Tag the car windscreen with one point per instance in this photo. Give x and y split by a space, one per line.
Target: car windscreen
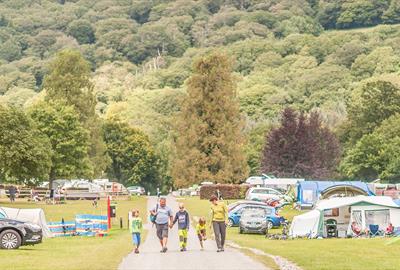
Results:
254 212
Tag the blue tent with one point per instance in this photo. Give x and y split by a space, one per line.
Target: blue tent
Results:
308 192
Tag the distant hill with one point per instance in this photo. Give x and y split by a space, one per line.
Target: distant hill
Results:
286 52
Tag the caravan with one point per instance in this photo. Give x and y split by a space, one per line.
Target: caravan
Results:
334 217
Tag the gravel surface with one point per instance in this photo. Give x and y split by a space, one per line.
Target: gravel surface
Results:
151 258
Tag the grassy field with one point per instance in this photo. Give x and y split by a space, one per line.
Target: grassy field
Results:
316 254
75 252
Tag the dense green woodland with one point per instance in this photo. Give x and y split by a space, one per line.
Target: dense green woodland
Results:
328 56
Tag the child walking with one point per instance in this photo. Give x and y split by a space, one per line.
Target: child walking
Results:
182 217
201 231
136 230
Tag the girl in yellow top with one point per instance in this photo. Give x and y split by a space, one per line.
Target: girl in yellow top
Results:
201 231
219 218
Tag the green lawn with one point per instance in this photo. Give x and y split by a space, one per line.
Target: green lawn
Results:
75 252
378 253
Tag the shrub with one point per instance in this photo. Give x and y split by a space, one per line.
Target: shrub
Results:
228 191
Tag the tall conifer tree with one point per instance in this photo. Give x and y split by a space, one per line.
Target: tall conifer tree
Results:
210 143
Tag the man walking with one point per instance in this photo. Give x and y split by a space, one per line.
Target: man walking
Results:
12 191
163 219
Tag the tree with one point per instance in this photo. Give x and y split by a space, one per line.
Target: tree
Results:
10 50
82 31
68 139
24 152
300 147
133 159
375 155
210 144
371 104
69 82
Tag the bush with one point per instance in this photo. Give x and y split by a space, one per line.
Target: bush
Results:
227 191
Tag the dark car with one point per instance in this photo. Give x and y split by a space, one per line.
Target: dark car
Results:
14 233
273 219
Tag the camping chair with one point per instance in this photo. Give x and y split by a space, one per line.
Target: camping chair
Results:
389 230
374 230
356 231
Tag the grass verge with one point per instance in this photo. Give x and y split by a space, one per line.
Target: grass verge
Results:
75 252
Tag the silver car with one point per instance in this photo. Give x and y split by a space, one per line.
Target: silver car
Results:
253 220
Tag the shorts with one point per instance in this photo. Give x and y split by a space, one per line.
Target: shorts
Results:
201 234
183 233
136 239
162 231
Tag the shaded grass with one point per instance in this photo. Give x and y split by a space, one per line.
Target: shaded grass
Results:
75 252
316 254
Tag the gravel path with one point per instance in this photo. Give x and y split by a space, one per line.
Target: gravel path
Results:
151 258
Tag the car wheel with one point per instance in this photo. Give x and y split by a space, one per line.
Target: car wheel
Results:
10 239
270 225
230 223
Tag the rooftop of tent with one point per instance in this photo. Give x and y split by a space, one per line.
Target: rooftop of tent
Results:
357 200
322 185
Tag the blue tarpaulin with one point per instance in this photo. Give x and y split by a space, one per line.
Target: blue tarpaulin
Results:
308 192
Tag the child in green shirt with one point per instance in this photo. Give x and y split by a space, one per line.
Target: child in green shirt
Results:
136 230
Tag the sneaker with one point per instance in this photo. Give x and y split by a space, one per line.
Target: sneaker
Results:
182 249
137 251
219 250
222 249
164 249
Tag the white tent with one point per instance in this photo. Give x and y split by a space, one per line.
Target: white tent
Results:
364 210
35 216
306 225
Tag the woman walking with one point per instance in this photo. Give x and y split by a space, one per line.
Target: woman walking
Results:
219 219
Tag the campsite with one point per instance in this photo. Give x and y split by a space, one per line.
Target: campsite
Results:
310 229
200 134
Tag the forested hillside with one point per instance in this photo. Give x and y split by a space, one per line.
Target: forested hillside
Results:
311 55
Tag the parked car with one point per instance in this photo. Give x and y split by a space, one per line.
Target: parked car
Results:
272 217
264 194
258 180
242 203
136 190
14 234
254 220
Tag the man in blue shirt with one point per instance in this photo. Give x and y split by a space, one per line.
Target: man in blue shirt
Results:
163 219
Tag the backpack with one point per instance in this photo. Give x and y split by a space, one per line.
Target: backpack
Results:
153 217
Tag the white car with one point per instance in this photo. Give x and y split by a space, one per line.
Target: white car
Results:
264 194
258 180
136 190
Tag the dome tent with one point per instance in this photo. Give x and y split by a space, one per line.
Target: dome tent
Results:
35 216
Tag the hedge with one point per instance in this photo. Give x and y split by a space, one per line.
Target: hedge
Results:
227 191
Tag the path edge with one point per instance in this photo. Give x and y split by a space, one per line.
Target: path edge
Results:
282 263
